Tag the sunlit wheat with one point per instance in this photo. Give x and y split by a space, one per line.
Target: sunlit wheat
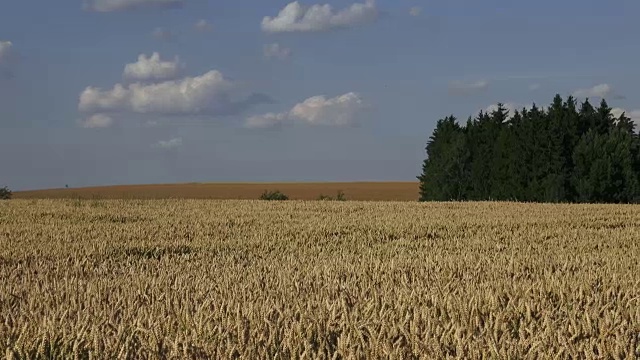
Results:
353 280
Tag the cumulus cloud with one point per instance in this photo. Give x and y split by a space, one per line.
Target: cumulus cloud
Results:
153 68
268 120
341 110
123 5
337 111
276 51
598 91
617 112
97 121
296 17
202 25
210 94
191 95
415 11
634 115
460 88
6 51
169 144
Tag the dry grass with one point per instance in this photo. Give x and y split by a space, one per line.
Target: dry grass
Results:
256 280
374 191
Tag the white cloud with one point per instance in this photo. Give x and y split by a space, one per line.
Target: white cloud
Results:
97 121
122 5
617 112
296 17
191 95
202 25
162 34
169 144
153 68
634 115
459 87
534 87
598 91
207 94
268 120
415 11
317 110
6 51
338 111
276 51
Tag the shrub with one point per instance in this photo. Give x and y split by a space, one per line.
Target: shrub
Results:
5 193
273 195
339 197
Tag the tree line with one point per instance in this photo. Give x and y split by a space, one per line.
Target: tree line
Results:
564 153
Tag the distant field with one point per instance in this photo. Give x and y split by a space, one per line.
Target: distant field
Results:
365 191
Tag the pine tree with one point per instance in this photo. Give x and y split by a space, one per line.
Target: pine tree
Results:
482 138
559 154
604 120
570 139
586 119
553 179
508 171
605 167
625 123
444 170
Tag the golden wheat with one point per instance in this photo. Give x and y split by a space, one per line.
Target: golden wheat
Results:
319 280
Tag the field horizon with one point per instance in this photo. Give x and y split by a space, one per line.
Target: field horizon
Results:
356 190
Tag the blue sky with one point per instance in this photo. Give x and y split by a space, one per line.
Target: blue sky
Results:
250 90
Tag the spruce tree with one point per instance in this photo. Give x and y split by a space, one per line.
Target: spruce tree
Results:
604 167
559 154
604 120
625 123
443 170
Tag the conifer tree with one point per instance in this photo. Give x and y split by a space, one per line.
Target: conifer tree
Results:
559 154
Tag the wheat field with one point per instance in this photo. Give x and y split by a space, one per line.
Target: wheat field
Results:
180 279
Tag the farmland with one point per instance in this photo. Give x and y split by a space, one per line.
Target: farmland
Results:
101 278
368 191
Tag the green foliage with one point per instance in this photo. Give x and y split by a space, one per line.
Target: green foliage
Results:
5 193
446 163
273 195
340 196
604 167
557 154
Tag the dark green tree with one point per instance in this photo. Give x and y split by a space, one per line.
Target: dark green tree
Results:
605 167
625 123
5 193
587 118
444 170
481 138
604 120
547 155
